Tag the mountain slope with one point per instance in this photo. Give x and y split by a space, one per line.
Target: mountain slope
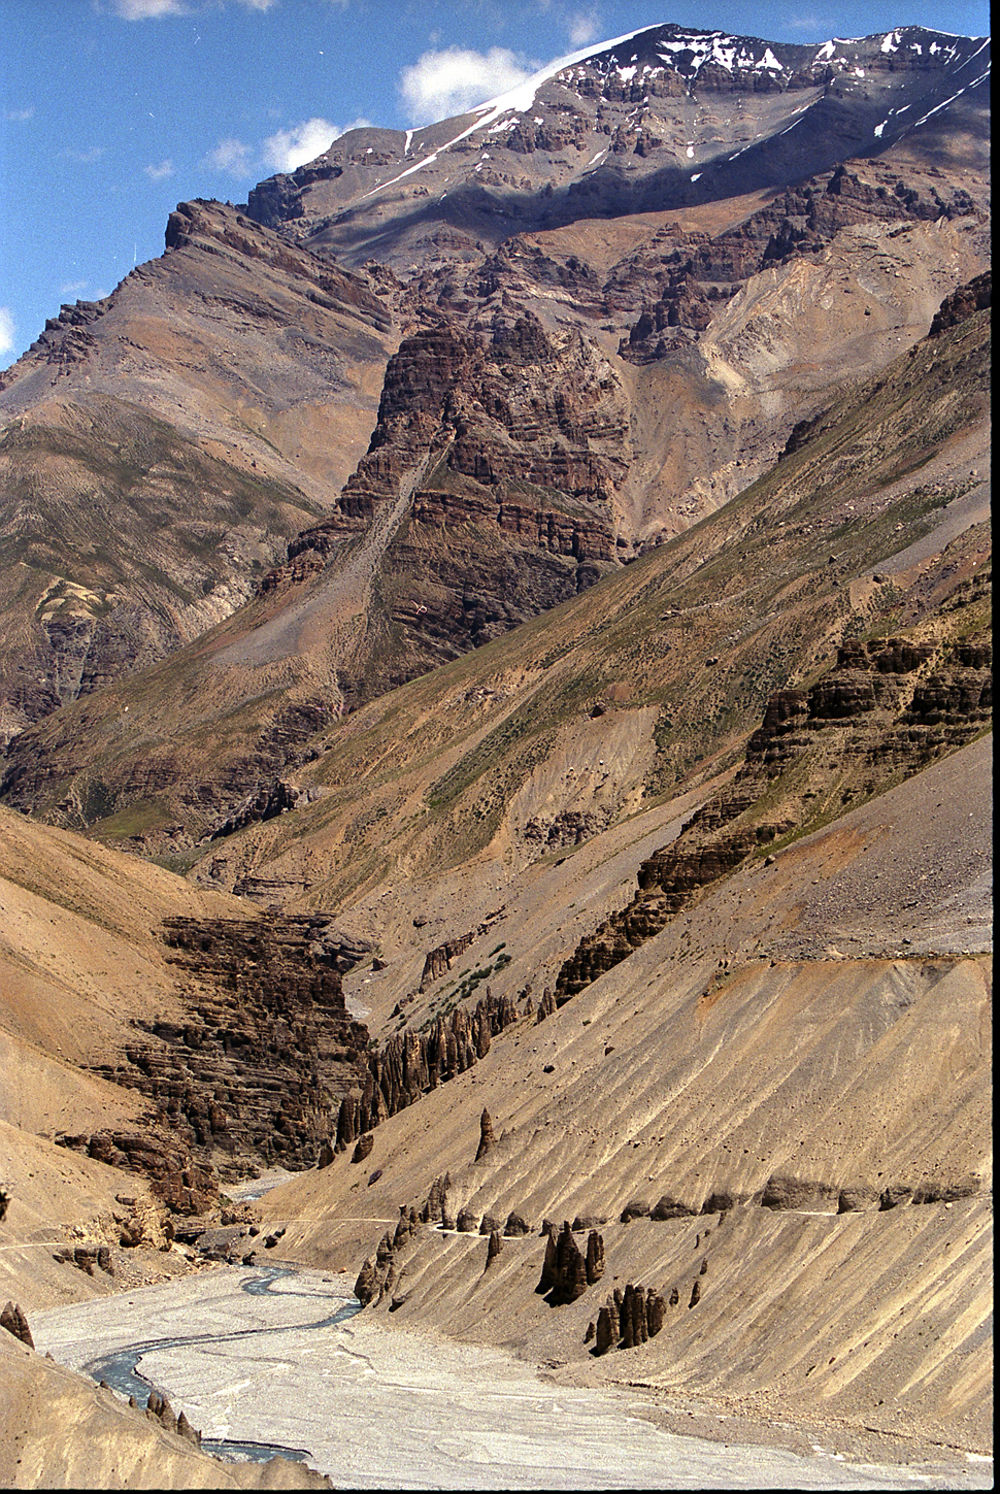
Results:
807 1116
161 447
566 392
919 433
603 774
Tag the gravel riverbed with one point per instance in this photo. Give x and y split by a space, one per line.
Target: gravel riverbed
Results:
270 1356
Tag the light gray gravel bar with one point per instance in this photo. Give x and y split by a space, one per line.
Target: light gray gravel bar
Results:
378 1406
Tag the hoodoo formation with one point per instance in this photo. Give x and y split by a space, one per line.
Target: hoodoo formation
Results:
531 798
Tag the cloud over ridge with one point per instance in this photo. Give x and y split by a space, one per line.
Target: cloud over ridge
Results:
287 149
7 335
456 79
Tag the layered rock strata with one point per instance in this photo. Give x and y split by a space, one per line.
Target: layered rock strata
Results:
888 708
519 439
253 1072
693 278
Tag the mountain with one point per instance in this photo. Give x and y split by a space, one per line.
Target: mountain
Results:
526 581
662 117
553 400
161 448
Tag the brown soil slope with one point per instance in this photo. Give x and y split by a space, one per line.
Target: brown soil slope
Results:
524 751
81 958
776 1115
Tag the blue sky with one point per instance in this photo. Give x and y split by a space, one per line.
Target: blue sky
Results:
112 111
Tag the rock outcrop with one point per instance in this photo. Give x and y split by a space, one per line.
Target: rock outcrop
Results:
800 222
13 1319
252 1073
413 1063
566 1271
628 1318
181 1182
887 708
974 296
487 1140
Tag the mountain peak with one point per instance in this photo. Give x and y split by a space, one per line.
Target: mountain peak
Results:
661 118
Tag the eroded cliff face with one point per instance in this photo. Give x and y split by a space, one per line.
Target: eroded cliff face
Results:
800 223
250 1073
516 439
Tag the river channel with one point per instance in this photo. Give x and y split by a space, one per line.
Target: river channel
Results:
266 1359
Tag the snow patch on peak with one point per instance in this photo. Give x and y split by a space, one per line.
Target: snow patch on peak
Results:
522 97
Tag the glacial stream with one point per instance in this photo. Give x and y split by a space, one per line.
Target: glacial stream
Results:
274 1359
119 1368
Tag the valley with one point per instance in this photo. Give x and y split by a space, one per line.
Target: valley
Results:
497 739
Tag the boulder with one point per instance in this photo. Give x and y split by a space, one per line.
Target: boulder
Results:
782 1192
669 1207
636 1208
363 1148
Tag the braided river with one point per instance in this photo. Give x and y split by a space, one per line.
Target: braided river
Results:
277 1359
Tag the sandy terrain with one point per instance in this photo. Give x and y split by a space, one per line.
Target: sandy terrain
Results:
378 1406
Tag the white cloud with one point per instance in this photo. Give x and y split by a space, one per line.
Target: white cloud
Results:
80 290
454 80
232 157
283 151
304 142
18 116
6 332
83 157
584 27
158 170
154 10
147 10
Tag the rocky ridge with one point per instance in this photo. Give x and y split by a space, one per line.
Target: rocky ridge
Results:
665 114
251 1073
212 372
888 708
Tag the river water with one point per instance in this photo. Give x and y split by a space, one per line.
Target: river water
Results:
118 1368
266 1359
